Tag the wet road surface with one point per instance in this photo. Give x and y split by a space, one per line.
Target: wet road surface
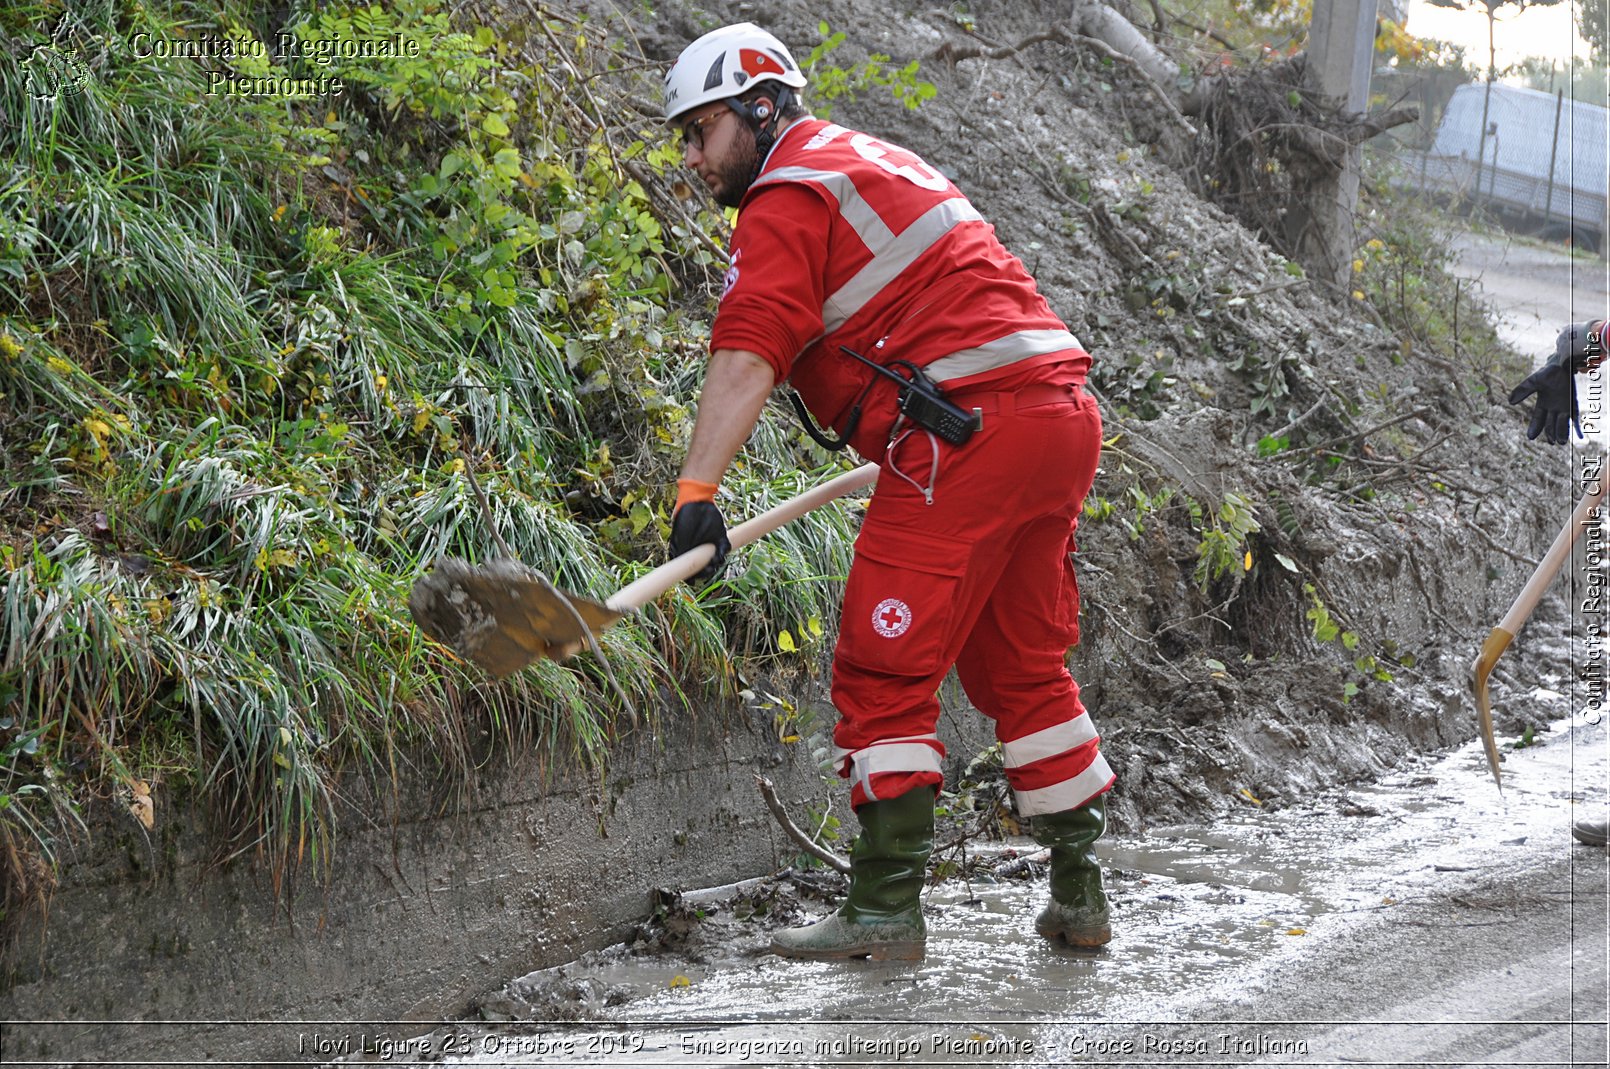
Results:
1421 920
1535 288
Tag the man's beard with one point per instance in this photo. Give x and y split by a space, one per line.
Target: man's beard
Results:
738 173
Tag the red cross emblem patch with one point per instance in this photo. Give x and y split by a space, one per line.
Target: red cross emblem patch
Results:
891 618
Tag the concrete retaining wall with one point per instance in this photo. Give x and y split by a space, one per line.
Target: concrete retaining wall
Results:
422 916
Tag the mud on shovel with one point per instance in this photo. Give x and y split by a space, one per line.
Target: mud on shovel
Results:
503 615
1501 636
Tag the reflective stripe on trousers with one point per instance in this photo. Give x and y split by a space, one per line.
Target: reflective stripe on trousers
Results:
913 754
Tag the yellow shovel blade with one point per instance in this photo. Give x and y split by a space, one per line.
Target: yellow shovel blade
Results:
1497 642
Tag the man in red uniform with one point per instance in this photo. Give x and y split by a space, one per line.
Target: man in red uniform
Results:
851 250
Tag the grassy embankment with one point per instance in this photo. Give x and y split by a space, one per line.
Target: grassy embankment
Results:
243 341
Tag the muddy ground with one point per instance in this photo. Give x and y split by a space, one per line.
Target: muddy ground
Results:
1422 919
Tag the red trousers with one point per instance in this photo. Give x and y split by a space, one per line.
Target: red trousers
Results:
964 559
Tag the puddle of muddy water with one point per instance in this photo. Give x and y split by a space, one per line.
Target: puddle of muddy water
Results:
1202 912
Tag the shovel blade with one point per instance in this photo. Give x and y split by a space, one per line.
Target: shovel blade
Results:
503 615
1498 641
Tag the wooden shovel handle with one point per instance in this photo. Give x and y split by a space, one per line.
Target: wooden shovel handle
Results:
1500 637
644 590
1553 560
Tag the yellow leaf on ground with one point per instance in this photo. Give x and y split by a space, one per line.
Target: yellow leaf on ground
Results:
141 806
1249 796
680 981
1296 931
158 609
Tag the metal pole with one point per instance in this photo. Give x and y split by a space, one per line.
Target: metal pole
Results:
1554 152
1486 102
1492 176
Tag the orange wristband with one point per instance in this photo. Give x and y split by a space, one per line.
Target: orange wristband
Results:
690 490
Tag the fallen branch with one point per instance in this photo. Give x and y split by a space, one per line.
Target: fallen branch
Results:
768 791
1366 432
1368 126
1493 544
1300 420
952 54
1026 863
1170 107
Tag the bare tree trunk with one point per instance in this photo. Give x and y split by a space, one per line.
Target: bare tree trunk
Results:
1094 19
1321 225
1487 97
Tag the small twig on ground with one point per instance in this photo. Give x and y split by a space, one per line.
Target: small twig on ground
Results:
1366 432
1482 534
1300 420
953 53
768 791
1271 288
1205 32
1026 863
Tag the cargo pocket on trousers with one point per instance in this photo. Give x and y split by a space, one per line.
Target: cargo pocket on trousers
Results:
901 603
1067 616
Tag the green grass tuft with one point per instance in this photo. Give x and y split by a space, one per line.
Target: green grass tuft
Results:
245 345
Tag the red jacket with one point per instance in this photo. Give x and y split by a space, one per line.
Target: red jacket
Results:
847 240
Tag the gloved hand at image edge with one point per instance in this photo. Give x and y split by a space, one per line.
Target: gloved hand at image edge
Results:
1556 411
1579 347
695 521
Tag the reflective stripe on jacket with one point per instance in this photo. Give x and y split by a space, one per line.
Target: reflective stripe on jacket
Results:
908 270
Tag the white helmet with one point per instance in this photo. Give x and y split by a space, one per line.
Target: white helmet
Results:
724 63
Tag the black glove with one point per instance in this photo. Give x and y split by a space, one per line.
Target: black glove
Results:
1556 411
699 523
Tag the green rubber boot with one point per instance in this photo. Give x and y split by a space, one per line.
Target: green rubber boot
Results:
881 917
1077 914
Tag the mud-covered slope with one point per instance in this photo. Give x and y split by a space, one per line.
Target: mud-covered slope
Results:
1395 521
